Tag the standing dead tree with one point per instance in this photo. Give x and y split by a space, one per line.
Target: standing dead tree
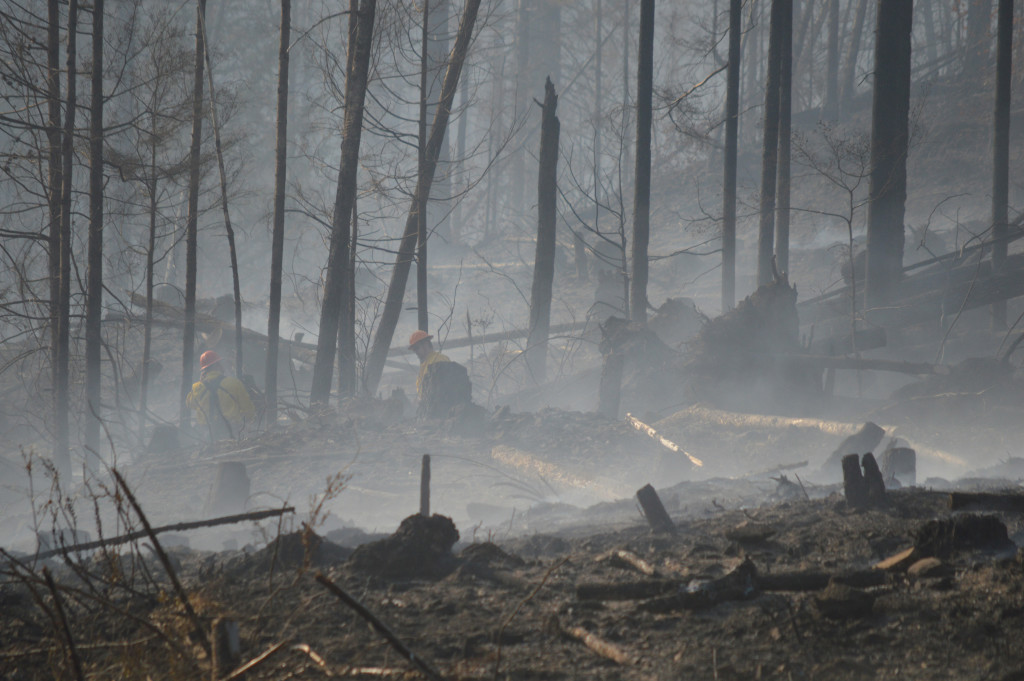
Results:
277 238
732 111
1001 149
890 140
94 276
191 224
338 281
544 260
642 188
406 250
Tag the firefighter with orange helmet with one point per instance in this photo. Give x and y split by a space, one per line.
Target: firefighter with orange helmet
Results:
221 403
419 343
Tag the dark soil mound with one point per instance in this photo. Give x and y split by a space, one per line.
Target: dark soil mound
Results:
421 548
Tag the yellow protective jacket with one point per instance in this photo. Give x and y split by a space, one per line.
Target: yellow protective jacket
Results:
432 358
233 399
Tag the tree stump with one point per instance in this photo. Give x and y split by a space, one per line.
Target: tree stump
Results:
900 464
230 492
854 488
654 510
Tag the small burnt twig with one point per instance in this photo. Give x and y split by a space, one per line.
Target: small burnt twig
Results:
255 662
76 663
529 597
197 623
381 628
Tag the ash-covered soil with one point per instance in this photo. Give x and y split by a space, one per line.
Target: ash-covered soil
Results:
786 591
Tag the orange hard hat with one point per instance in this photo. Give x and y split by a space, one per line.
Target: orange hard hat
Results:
417 336
208 359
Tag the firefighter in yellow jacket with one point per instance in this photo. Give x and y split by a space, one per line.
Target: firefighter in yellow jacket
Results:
227 415
419 343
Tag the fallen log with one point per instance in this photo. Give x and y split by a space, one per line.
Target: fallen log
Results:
496 337
625 591
987 501
816 581
663 441
380 628
738 420
597 644
739 584
177 527
634 561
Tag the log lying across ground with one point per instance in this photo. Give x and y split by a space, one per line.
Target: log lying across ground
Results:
177 527
987 501
662 440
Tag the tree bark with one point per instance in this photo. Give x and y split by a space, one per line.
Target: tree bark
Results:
57 238
642 188
1001 150
830 107
337 284
785 106
770 146
581 257
400 273
277 238
192 221
94 276
438 46
544 259
232 251
347 378
732 111
890 112
847 87
62 445
422 317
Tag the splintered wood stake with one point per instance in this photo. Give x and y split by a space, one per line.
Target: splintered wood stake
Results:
654 510
425 487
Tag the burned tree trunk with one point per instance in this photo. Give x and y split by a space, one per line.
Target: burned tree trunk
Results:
422 317
642 189
347 379
890 113
403 261
770 147
232 251
544 260
830 106
785 106
732 110
846 87
191 224
338 278
1001 150
277 239
60 142
94 276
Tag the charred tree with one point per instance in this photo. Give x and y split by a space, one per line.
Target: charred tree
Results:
732 114
400 274
785 107
338 280
890 112
347 379
642 188
422 316
437 48
581 256
846 86
770 147
1001 150
94 273
830 107
232 251
192 221
544 260
60 229
277 238
62 455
